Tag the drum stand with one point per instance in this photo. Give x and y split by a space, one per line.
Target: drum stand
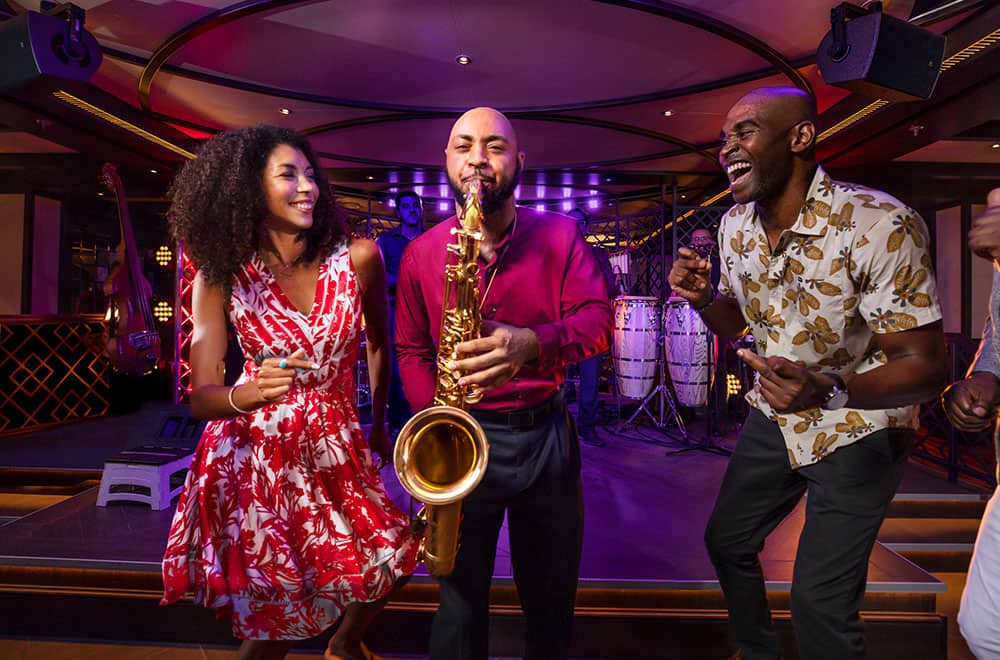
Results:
711 414
665 400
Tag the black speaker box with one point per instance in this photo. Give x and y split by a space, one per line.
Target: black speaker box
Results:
886 58
38 49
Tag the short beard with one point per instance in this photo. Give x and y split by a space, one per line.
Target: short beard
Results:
491 198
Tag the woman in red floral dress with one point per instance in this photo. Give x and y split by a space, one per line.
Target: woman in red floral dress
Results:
284 525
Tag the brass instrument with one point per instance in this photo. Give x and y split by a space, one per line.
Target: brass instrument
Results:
441 452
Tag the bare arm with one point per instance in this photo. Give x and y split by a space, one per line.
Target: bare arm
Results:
916 371
367 261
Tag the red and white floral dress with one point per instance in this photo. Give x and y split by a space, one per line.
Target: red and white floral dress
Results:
284 519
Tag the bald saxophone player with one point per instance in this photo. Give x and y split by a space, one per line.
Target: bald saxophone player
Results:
833 280
544 305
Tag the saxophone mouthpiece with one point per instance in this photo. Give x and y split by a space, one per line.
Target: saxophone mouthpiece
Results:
472 214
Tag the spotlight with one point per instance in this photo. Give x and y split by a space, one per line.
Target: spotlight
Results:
163 311
284 111
463 60
163 255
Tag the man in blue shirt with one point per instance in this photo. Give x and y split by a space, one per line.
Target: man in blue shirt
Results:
409 210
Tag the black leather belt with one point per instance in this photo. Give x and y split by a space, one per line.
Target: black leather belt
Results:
525 418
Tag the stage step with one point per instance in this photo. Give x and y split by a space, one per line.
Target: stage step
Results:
935 531
610 623
24 491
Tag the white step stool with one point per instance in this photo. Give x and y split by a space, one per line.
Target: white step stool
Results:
145 467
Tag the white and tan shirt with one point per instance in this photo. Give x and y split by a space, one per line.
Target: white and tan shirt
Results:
856 263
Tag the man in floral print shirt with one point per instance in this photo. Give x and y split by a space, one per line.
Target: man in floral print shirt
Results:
834 282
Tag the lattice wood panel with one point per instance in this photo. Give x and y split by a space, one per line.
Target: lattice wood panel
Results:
52 371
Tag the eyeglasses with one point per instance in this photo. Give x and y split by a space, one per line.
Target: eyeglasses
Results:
738 136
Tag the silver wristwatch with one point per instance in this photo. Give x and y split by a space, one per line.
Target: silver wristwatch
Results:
837 397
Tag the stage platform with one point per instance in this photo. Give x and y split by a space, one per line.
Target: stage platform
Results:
647 589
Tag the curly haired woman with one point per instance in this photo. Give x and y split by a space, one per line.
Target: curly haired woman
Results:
284 525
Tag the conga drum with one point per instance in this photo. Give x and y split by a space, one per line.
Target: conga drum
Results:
636 339
687 350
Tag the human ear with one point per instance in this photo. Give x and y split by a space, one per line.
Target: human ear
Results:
803 136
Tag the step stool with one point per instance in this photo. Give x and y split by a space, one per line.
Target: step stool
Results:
144 467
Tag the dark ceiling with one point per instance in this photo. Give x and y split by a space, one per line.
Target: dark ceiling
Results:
615 101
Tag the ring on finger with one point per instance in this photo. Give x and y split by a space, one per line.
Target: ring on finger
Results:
283 364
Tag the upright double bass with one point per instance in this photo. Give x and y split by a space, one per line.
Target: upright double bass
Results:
133 344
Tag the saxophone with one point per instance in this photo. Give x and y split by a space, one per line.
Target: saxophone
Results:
441 452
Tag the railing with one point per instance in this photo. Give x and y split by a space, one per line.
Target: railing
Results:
52 371
959 454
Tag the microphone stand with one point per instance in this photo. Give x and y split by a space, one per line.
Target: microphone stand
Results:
707 443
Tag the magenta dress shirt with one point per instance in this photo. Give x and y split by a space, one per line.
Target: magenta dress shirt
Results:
546 278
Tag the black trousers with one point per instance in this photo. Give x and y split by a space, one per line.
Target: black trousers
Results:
534 476
848 493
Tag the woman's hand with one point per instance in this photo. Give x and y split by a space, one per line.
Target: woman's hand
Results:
378 441
275 375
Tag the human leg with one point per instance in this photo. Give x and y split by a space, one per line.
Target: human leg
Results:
979 612
759 489
546 530
460 630
399 408
848 495
586 417
348 642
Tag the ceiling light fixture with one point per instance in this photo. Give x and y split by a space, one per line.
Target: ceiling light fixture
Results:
668 113
284 111
463 60
153 170
92 109
995 146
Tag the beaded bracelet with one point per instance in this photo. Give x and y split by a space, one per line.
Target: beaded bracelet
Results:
233 405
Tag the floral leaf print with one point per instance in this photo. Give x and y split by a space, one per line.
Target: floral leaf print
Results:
843 221
754 314
822 286
826 186
741 246
840 358
791 459
863 241
810 417
889 321
887 207
805 246
748 283
904 226
854 425
819 333
804 299
842 260
822 444
908 283
850 303
780 420
812 209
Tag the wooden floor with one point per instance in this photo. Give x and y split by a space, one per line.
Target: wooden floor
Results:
645 514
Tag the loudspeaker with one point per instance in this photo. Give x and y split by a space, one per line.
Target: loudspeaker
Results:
881 56
39 48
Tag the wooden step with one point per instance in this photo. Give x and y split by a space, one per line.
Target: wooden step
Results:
934 544
914 506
